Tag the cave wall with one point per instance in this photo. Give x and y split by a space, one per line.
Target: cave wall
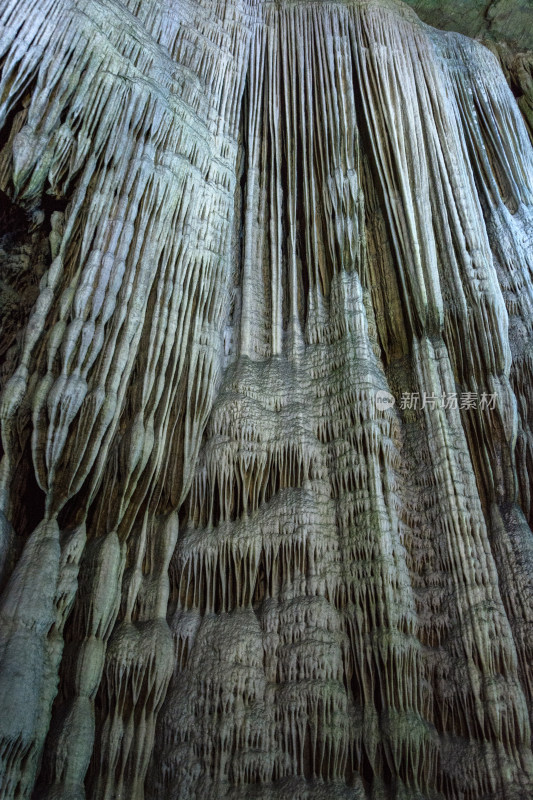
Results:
504 26
266 373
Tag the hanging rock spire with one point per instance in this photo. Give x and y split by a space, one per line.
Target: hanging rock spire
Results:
266 407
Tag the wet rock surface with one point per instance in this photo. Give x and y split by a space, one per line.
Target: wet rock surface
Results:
267 407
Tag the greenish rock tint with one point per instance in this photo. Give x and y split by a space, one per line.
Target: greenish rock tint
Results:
506 20
504 26
266 403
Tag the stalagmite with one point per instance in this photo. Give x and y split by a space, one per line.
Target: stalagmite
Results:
266 373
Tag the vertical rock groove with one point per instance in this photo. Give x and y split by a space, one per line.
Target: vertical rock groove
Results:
266 410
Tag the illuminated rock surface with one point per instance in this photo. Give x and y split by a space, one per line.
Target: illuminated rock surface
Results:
227 570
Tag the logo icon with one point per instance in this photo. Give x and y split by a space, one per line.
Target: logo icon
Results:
384 400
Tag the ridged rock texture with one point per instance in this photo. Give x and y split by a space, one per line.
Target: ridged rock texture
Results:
229 570
505 26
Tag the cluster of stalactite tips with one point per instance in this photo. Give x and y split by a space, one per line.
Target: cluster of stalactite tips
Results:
233 232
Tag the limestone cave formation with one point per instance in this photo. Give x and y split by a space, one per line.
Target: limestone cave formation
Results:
266 372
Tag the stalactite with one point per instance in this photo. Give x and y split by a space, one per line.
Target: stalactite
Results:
267 432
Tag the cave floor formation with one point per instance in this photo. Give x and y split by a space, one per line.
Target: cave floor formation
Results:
266 372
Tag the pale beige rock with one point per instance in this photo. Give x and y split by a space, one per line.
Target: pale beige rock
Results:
227 570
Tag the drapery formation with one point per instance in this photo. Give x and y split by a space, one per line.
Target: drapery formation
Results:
229 569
